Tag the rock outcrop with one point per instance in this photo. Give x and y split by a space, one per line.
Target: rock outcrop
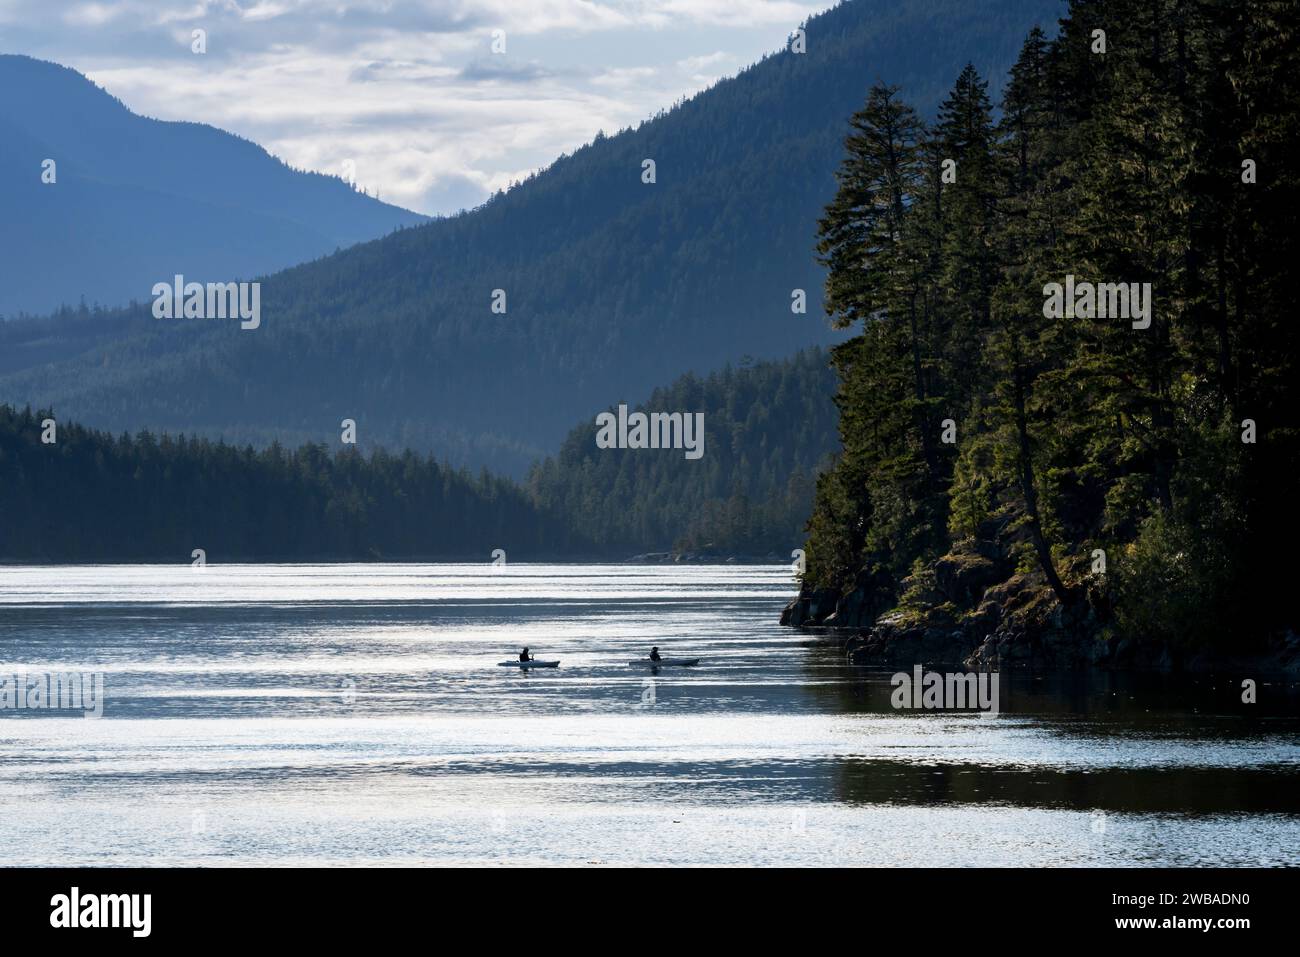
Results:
950 615
968 608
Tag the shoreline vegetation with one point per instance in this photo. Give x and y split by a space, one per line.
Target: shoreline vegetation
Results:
73 494
1027 487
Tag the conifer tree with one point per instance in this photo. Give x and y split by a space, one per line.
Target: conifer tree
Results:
1167 158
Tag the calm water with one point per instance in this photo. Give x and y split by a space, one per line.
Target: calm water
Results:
355 714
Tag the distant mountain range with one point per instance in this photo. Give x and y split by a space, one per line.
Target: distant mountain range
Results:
135 199
612 286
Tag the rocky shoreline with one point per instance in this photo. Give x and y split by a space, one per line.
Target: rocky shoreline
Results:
970 610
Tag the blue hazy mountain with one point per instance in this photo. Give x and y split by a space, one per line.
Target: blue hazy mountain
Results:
613 286
136 198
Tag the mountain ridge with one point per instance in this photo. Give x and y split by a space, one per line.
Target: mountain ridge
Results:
125 182
613 286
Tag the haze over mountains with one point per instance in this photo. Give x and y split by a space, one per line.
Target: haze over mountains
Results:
613 286
134 195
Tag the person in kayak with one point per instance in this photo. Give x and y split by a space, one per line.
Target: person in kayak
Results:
654 654
525 656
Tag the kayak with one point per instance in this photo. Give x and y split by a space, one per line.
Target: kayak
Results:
682 662
528 664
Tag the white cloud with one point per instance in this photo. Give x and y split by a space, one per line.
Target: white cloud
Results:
90 15
408 91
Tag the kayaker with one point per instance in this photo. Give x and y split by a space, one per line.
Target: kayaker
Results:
525 656
654 654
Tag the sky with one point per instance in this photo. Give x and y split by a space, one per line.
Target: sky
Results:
408 99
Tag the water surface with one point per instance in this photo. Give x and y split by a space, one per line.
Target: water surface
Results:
301 714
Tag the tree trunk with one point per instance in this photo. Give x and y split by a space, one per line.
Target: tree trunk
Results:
1030 493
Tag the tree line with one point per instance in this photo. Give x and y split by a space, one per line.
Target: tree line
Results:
70 493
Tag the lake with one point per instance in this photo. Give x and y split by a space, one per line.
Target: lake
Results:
321 714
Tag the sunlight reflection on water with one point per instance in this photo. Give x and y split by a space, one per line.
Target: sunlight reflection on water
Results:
335 713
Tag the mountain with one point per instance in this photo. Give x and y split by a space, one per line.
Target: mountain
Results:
136 199
612 285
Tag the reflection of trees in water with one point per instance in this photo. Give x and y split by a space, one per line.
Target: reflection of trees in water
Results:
1095 708
1189 790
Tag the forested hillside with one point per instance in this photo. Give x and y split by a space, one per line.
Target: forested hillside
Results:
135 200
612 286
768 428
1021 480
88 496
